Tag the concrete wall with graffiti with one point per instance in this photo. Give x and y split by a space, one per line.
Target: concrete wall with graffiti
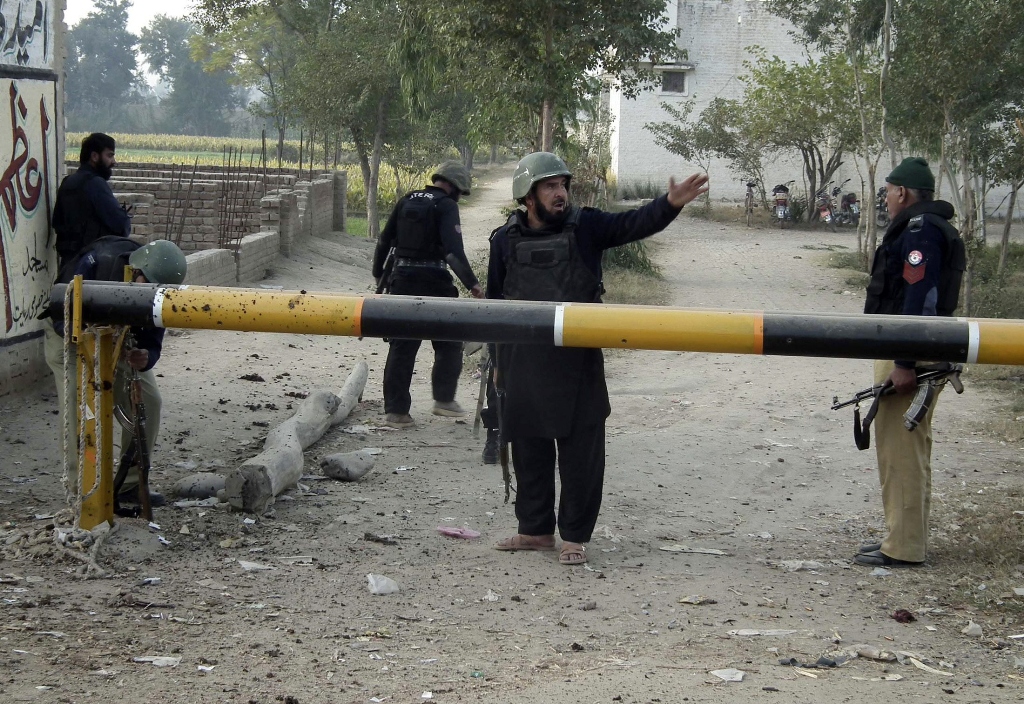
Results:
31 142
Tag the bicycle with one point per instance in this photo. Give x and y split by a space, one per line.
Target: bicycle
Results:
748 203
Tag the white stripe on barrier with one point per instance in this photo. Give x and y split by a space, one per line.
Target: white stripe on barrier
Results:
559 321
158 308
974 341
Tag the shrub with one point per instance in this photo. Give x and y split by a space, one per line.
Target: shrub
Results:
638 190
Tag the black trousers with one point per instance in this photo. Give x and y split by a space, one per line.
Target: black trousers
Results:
580 458
401 362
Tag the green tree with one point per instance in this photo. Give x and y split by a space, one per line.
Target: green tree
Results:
952 77
260 52
695 141
537 57
199 101
102 71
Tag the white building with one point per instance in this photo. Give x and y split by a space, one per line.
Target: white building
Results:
716 35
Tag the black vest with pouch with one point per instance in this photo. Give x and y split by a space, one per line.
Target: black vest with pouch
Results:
887 287
418 236
545 266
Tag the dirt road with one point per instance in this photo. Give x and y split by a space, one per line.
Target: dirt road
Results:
722 453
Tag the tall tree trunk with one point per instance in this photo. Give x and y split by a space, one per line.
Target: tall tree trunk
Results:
969 213
494 154
363 154
280 145
301 139
547 111
1004 245
372 212
547 127
867 214
883 79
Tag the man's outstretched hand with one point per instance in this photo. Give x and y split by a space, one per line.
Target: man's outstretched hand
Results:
679 194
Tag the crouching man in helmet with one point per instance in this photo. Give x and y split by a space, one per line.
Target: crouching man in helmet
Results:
105 259
555 398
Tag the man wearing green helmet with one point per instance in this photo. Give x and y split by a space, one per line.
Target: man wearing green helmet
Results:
421 240
555 401
105 259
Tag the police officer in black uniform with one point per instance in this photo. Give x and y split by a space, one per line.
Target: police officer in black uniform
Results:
555 398
424 238
86 208
917 270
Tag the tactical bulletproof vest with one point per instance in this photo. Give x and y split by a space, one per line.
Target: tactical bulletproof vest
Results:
887 287
109 255
548 267
418 236
79 226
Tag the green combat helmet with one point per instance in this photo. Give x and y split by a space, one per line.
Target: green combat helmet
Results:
160 261
454 173
536 167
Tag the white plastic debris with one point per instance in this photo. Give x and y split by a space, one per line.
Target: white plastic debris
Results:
880 572
696 551
253 566
921 666
158 660
801 565
972 629
491 596
730 674
379 584
205 669
770 633
197 503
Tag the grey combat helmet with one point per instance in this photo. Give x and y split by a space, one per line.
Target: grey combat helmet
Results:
454 173
160 261
536 167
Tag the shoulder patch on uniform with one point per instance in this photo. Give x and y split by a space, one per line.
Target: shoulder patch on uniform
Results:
914 267
458 229
916 223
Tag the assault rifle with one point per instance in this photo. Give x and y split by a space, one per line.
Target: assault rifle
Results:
930 379
137 451
384 282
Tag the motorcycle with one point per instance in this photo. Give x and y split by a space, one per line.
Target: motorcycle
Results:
849 206
881 209
826 209
780 207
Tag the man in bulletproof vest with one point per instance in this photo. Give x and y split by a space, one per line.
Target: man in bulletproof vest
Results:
917 270
86 208
422 238
105 259
555 401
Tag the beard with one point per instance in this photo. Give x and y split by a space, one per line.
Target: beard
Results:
549 217
104 171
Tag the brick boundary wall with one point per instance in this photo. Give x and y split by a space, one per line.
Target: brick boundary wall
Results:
283 216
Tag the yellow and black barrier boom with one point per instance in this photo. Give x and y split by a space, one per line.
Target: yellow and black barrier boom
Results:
984 341
102 306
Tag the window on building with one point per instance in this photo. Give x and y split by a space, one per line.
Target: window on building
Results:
673 82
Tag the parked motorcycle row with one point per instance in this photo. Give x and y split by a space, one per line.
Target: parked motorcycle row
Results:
834 206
